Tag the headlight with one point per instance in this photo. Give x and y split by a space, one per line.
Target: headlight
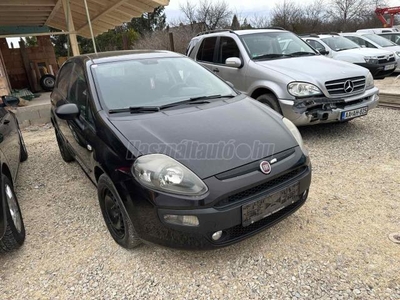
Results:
303 89
369 82
296 134
371 60
163 173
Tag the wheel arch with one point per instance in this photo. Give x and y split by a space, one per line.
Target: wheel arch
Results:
261 91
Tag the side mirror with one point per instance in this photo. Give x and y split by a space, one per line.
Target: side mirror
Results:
324 52
234 62
68 111
10 100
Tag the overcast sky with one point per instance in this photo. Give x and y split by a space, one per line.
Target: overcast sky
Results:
244 8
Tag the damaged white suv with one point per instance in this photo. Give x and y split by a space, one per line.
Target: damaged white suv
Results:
279 69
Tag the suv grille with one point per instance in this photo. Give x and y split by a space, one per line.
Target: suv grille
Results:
384 59
346 87
260 189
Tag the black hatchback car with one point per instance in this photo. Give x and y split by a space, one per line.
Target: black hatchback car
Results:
178 156
12 152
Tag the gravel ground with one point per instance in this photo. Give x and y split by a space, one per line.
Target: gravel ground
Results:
336 246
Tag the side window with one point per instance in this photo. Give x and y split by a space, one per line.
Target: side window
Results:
63 80
316 45
78 92
228 48
206 50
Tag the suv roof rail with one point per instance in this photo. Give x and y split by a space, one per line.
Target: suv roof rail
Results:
330 33
314 35
272 27
215 31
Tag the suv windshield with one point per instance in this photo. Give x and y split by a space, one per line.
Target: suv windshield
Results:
381 41
340 43
275 45
155 82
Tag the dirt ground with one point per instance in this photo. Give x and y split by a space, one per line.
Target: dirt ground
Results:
335 247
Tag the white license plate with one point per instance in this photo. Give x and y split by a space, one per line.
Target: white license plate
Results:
354 113
389 67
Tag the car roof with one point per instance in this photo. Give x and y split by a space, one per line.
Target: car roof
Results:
252 31
111 56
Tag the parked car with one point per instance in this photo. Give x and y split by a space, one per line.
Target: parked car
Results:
379 62
377 30
12 152
168 145
282 71
393 36
370 40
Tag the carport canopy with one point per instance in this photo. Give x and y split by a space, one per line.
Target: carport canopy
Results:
31 17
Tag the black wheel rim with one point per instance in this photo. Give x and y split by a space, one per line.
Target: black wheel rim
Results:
114 215
49 82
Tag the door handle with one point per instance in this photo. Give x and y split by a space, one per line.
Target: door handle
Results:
5 122
216 70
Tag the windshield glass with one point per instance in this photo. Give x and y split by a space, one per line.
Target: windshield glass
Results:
340 43
275 45
381 41
155 82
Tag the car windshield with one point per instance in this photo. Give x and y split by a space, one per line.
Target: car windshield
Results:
381 41
340 43
155 82
276 45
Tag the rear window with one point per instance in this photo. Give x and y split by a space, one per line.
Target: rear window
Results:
207 48
379 40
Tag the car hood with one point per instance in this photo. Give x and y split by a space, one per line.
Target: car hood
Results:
314 68
368 51
210 138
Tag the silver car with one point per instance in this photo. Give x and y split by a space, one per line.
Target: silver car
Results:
282 71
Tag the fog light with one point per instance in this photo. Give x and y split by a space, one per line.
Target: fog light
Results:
217 235
182 220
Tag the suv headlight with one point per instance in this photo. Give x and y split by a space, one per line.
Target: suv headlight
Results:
163 173
371 60
296 134
369 82
303 89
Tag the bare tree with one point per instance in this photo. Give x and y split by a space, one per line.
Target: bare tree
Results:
213 14
260 21
287 15
346 11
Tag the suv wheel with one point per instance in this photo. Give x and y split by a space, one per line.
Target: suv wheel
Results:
14 236
271 101
115 215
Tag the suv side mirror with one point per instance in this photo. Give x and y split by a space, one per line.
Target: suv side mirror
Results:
324 52
10 100
69 111
234 62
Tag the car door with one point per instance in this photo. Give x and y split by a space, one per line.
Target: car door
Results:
206 53
79 128
9 140
228 48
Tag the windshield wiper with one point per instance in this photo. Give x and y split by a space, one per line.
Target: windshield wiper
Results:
211 97
300 53
272 55
135 109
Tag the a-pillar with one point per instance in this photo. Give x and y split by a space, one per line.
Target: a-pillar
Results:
71 27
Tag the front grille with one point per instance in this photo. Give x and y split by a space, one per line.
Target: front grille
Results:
260 189
384 59
240 231
337 88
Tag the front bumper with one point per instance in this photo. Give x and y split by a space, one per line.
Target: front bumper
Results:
221 210
311 111
378 70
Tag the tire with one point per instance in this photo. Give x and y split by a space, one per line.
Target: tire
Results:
23 153
115 215
271 101
65 154
14 236
47 82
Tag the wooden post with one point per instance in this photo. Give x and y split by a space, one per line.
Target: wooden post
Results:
27 67
171 42
125 44
71 27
